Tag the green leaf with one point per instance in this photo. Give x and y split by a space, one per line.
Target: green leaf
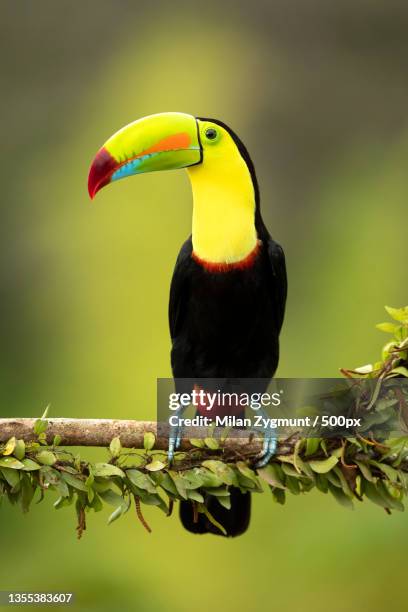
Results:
323 466
246 470
112 498
155 465
278 495
365 470
321 483
293 485
19 450
390 472
107 469
11 476
273 475
389 328
197 442
149 440
208 478
40 426
400 370
180 484
115 447
29 465
211 443
141 480
11 462
399 314
57 440
195 495
27 492
77 483
225 502
45 413
340 497
165 482
312 446
46 457
10 446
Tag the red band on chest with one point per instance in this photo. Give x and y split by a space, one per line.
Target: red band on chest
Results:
243 264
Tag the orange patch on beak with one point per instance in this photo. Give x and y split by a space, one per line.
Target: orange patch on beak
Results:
170 143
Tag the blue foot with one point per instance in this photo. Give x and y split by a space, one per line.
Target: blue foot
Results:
174 438
270 443
268 449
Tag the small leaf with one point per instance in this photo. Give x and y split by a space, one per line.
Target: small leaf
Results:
45 413
11 462
115 447
365 470
40 426
74 482
29 465
57 440
400 370
246 471
312 446
272 474
278 495
399 314
11 476
141 480
197 442
324 466
340 497
19 450
149 440
155 465
10 446
195 495
389 328
107 469
46 457
211 443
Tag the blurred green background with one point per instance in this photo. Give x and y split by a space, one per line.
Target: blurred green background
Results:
318 91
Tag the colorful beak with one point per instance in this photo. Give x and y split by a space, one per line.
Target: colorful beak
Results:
166 141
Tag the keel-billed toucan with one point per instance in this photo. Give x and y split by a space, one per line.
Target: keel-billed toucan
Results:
228 292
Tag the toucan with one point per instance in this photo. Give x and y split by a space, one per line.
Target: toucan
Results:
228 291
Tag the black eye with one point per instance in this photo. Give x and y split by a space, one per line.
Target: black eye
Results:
211 134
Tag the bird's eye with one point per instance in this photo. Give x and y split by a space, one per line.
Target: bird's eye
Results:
211 134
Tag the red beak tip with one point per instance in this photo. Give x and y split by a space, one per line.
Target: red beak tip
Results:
100 172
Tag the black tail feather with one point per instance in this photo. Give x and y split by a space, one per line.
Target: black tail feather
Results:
235 521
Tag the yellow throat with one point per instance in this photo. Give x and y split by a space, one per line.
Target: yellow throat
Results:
223 227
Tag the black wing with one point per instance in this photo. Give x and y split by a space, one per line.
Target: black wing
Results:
279 280
180 289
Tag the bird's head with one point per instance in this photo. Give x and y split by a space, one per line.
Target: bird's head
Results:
222 175
165 141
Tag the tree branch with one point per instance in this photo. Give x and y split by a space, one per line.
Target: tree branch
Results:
100 432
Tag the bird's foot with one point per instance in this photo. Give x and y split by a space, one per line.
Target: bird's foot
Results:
269 446
174 442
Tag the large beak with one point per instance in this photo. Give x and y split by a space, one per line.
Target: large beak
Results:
158 142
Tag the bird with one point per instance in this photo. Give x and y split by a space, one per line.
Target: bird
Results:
229 286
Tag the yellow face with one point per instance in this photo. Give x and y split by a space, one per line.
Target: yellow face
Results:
224 198
223 191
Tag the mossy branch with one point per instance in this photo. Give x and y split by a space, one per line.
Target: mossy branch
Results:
35 458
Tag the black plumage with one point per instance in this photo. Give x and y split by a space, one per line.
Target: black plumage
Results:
225 324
